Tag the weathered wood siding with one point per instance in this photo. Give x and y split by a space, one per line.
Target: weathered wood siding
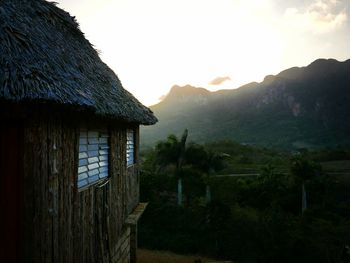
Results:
133 178
11 186
60 223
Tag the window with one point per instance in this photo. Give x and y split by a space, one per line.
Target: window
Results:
93 157
130 147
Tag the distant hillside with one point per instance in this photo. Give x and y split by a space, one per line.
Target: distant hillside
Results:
299 107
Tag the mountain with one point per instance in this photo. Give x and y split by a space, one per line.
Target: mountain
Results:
306 107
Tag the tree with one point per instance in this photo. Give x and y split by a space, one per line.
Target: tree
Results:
175 154
171 152
303 170
206 161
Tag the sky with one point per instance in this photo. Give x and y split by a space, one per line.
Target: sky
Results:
216 44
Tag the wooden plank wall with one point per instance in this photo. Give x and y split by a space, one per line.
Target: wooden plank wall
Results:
132 188
62 224
10 191
35 216
133 178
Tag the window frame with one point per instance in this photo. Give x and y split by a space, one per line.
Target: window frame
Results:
88 167
134 160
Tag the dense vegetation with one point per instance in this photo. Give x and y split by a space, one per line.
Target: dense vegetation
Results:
258 218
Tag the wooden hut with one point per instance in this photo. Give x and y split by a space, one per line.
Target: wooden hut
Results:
69 173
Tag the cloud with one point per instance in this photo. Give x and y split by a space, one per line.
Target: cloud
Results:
321 16
219 80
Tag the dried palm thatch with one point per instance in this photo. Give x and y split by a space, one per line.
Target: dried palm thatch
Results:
44 57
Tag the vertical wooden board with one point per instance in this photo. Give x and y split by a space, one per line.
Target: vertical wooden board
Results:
28 194
105 201
65 193
109 243
36 191
84 222
122 177
67 157
100 226
117 202
88 214
72 175
85 233
84 228
91 225
132 188
37 135
137 144
132 178
54 134
11 187
44 228
114 187
128 188
123 173
116 183
137 171
61 196
77 218
78 228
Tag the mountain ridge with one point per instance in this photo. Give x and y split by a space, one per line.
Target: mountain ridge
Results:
298 107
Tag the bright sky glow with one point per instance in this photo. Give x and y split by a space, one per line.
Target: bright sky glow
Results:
155 44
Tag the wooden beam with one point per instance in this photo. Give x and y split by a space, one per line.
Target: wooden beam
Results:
136 214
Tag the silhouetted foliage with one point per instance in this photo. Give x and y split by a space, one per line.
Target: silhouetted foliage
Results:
250 218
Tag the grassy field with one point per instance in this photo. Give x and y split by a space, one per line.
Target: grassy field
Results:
339 169
337 166
151 256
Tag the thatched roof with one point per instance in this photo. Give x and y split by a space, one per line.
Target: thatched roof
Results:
45 58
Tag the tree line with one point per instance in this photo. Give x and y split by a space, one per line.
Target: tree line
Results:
297 213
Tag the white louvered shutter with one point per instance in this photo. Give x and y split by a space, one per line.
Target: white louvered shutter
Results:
130 147
93 157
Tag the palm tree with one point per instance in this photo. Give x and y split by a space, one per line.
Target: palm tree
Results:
172 152
214 163
303 170
208 162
